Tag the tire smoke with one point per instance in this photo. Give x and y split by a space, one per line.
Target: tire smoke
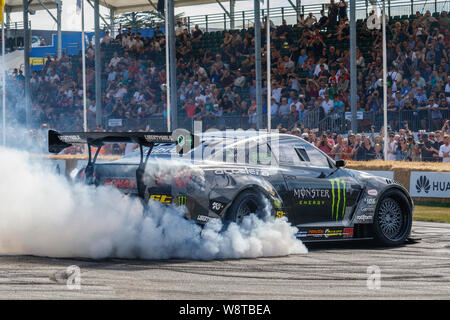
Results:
44 214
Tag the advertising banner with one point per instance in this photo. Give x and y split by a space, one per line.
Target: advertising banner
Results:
430 184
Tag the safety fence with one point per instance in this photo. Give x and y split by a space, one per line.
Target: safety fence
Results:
338 122
245 19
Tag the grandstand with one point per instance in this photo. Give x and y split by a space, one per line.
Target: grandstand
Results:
215 75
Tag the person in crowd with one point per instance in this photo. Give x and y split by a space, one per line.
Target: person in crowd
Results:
444 150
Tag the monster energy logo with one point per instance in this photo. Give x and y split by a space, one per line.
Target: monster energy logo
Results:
336 186
182 200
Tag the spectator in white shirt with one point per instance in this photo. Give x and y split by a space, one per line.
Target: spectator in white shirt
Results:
327 104
106 38
114 60
444 150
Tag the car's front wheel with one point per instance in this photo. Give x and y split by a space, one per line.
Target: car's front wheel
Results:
393 219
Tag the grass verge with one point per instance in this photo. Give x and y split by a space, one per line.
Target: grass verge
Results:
432 212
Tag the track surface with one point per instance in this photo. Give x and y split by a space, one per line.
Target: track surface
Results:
419 270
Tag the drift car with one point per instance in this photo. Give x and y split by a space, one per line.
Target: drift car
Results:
218 176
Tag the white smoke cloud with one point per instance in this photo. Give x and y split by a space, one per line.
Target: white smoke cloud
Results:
44 214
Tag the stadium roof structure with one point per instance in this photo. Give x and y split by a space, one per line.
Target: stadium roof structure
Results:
16 5
122 6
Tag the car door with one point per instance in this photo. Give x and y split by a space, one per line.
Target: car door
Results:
320 195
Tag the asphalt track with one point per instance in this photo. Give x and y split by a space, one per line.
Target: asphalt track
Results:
418 270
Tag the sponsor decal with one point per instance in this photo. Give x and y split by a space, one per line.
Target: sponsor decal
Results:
430 184
316 233
326 233
311 202
163 198
423 184
280 214
250 171
333 233
301 234
338 186
216 206
372 192
364 218
277 203
368 209
370 201
157 138
121 183
203 218
311 193
348 232
182 200
71 139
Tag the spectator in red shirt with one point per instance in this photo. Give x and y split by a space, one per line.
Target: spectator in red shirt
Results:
325 144
190 108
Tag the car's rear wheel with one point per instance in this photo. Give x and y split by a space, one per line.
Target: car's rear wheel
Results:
247 202
393 219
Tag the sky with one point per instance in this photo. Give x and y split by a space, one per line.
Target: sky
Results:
72 22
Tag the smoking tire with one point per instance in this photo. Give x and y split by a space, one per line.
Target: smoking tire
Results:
247 202
393 219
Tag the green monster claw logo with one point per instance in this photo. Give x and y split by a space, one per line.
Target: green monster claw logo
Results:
182 200
336 197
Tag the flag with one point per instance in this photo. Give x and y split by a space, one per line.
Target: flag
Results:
160 6
2 5
78 6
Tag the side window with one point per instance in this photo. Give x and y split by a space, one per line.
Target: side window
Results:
302 154
316 157
288 155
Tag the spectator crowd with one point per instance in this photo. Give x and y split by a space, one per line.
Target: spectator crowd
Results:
216 81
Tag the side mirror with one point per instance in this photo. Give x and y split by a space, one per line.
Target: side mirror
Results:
340 163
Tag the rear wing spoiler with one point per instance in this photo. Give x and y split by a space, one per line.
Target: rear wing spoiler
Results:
59 141
184 140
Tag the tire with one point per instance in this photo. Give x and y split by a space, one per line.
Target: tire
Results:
393 219
247 202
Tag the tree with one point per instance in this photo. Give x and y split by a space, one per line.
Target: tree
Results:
142 20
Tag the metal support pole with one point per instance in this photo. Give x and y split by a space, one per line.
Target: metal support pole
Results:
269 78
166 31
224 21
58 28
83 67
232 6
258 64
112 17
4 71
243 19
389 8
384 83
353 73
172 64
282 13
298 3
206 20
98 65
27 47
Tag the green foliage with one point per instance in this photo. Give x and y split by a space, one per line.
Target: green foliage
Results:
142 20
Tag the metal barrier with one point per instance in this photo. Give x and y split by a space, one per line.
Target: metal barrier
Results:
415 121
245 19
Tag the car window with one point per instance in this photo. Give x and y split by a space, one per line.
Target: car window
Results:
317 158
288 155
